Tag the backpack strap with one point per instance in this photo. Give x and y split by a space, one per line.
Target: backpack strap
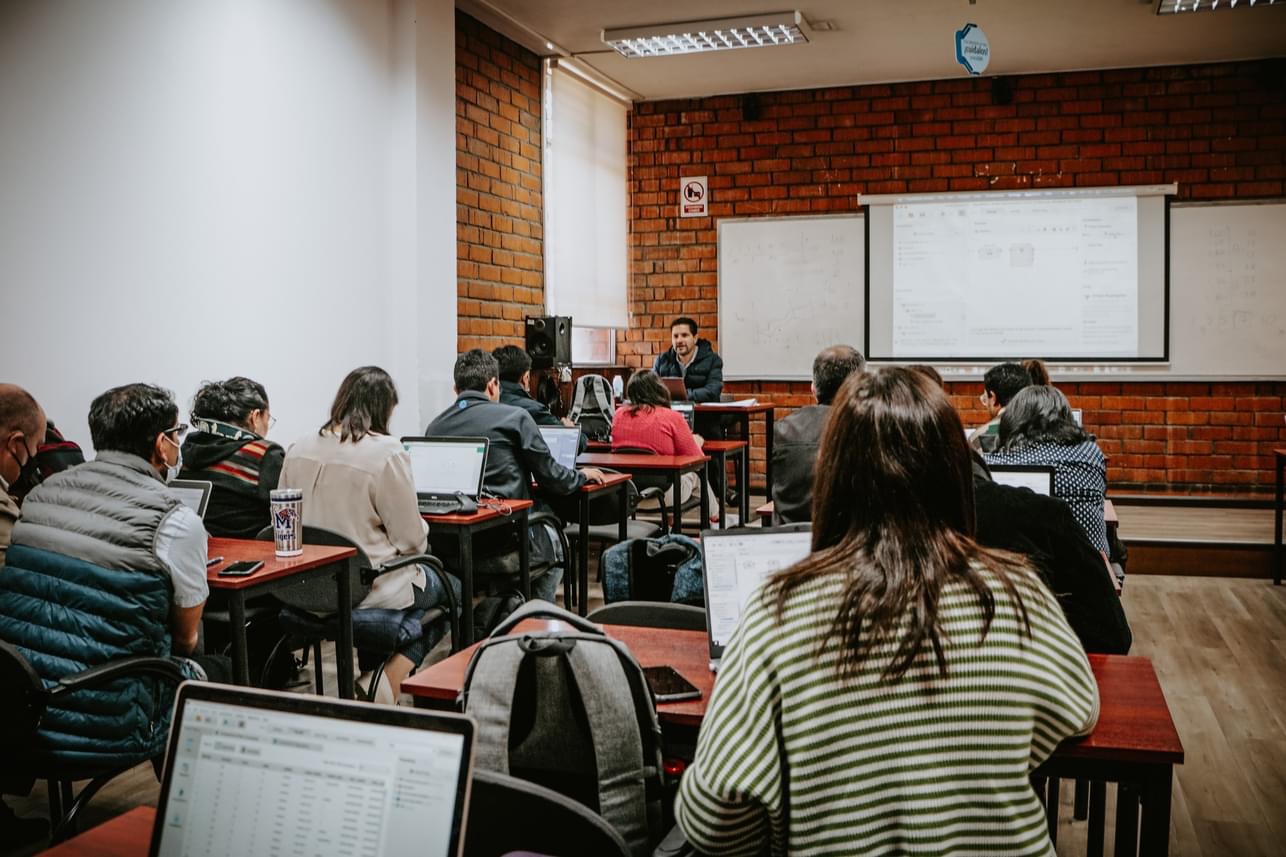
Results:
489 700
537 609
578 402
614 730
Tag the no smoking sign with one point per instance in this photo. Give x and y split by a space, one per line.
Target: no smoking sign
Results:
694 196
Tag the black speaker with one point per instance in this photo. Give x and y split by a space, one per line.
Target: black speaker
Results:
549 340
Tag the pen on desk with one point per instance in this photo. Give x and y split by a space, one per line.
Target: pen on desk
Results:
213 561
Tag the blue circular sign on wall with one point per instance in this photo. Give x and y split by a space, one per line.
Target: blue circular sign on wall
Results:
973 51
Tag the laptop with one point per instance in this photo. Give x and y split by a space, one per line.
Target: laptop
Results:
736 562
448 472
262 772
678 391
195 494
1077 414
1037 477
563 443
689 412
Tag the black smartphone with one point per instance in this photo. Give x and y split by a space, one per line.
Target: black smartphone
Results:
668 686
241 569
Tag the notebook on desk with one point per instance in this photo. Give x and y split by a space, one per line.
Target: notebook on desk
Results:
1037 477
678 390
736 562
563 443
195 493
448 472
260 772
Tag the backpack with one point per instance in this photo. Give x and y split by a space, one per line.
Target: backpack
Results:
593 406
669 568
494 609
570 710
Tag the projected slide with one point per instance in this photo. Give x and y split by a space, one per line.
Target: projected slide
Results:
1041 277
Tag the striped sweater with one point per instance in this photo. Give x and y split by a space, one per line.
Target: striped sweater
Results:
789 756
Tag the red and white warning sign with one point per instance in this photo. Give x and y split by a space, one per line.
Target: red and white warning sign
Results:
694 196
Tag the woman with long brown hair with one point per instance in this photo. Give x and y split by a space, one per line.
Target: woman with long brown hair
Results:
892 692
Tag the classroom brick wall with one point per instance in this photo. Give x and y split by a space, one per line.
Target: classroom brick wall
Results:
499 232
1217 130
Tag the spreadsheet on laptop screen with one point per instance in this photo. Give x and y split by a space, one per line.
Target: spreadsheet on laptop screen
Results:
562 443
254 781
735 565
444 467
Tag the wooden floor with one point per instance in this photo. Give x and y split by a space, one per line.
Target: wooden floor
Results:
1219 646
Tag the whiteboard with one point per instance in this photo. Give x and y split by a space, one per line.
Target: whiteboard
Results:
788 287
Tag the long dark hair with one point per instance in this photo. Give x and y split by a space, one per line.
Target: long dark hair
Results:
645 391
1039 415
363 405
893 514
231 401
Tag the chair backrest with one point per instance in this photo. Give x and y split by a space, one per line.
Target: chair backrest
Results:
22 706
651 614
593 407
508 814
321 596
665 569
570 710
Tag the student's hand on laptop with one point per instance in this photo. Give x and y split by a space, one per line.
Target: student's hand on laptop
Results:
568 423
699 439
593 474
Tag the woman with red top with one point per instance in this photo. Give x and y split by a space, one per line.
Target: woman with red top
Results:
648 423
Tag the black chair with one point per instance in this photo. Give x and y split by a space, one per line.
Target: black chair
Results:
652 486
304 628
604 529
23 702
508 814
651 614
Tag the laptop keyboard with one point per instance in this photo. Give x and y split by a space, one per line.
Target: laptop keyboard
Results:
439 507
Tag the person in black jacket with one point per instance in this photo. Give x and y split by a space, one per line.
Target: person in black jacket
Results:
515 386
795 437
694 361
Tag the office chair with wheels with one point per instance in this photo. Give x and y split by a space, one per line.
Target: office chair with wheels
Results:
651 614
24 699
371 629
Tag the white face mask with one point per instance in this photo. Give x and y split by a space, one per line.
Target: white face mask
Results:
172 470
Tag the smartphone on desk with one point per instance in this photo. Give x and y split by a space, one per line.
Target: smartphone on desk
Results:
668 686
244 568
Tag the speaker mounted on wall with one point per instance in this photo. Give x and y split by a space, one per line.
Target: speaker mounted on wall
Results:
549 340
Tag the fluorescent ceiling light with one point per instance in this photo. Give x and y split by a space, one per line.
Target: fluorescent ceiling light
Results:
1166 7
718 34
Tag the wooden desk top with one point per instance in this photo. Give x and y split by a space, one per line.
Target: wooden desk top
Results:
234 550
484 514
640 461
730 408
1109 514
687 651
125 835
612 480
724 445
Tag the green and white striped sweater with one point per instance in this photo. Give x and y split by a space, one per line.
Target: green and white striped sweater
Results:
791 757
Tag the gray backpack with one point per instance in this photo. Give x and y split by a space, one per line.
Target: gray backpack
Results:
571 711
593 407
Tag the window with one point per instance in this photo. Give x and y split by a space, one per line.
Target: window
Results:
593 345
586 253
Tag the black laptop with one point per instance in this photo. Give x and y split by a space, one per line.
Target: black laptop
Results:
448 472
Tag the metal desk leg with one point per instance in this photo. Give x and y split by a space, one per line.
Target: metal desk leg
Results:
705 500
745 492
237 621
623 498
1127 820
723 500
465 549
677 505
582 558
1097 815
1051 808
344 641
768 418
1080 804
1154 839
1279 467
524 558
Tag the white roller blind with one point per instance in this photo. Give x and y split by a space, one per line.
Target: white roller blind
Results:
586 262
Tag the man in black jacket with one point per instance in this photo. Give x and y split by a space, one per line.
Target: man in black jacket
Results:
796 436
515 386
694 361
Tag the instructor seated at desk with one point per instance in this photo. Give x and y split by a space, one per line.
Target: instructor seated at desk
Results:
693 360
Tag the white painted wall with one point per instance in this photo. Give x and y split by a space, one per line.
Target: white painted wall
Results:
191 191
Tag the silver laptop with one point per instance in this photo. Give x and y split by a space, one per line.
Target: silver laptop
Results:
1077 415
1037 477
689 412
563 443
262 772
195 494
448 472
736 562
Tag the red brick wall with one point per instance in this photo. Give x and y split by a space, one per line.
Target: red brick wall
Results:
1217 130
499 232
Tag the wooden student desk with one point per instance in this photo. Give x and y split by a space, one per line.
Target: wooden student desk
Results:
613 483
465 526
743 414
674 465
280 573
721 451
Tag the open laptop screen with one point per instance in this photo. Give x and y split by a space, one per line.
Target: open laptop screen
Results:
195 493
563 443
443 466
247 778
1037 477
736 562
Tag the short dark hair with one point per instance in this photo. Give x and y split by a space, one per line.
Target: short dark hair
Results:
363 404
513 362
474 369
19 411
1039 414
128 418
646 391
683 319
1005 380
230 401
831 367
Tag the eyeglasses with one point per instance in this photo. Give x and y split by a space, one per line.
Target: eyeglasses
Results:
272 421
180 430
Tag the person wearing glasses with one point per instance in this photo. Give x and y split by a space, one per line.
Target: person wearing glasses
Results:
229 447
1001 383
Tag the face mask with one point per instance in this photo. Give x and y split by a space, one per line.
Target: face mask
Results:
172 470
28 478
